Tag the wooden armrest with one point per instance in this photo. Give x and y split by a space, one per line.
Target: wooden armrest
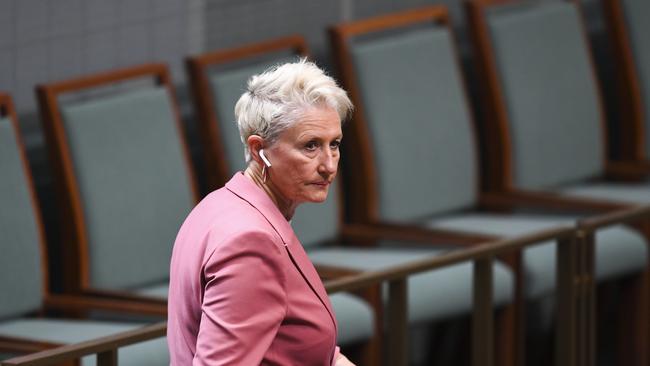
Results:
21 345
391 231
120 295
629 171
329 272
534 200
88 303
104 347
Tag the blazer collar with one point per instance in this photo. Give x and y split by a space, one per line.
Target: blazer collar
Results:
247 190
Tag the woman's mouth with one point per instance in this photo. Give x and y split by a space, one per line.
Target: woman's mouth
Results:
322 183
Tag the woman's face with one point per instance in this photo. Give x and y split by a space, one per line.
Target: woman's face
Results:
305 157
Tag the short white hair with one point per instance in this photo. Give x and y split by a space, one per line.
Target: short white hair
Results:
275 99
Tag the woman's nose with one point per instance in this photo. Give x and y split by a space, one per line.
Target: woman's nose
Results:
328 163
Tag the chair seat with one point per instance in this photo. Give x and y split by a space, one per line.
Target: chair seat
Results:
633 193
619 250
354 316
432 295
153 352
158 291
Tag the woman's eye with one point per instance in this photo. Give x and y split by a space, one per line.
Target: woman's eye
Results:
311 146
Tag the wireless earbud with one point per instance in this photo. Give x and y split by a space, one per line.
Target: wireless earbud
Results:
264 159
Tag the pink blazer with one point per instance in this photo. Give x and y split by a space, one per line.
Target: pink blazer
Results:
242 290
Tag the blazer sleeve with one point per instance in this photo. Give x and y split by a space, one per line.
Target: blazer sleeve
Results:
244 300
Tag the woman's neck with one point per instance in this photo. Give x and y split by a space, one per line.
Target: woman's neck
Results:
286 207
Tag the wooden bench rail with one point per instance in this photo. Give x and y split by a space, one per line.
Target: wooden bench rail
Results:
104 347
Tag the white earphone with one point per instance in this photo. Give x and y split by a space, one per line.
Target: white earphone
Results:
264 159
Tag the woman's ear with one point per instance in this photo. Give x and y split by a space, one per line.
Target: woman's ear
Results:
255 144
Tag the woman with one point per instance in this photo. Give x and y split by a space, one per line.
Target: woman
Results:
242 289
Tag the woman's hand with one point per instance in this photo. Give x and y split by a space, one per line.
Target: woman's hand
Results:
343 361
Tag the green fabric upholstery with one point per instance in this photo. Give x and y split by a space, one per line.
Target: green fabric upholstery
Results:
549 90
133 181
636 14
432 295
354 316
156 291
313 223
619 250
227 86
21 284
418 121
152 352
632 193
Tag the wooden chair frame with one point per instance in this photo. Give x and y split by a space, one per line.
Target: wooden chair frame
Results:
499 154
66 304
75 256
498 172
631 111
364 206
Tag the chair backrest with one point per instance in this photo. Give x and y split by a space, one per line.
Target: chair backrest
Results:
23 280
412 132
219 79
628 33
123 167
545 100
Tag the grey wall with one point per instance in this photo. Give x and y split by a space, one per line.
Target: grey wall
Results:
229 23
45 40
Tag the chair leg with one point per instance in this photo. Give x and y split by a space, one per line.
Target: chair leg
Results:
510 325
369 352
509 338
447 337
633 321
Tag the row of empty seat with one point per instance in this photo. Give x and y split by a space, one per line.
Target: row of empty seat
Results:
415 161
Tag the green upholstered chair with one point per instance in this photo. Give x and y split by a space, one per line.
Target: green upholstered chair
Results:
544 106
123 175
414 149
23 270
219 79
551 119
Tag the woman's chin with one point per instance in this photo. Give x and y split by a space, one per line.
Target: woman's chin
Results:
319 197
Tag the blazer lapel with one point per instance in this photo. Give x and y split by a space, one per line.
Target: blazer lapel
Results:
256 197
306 268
